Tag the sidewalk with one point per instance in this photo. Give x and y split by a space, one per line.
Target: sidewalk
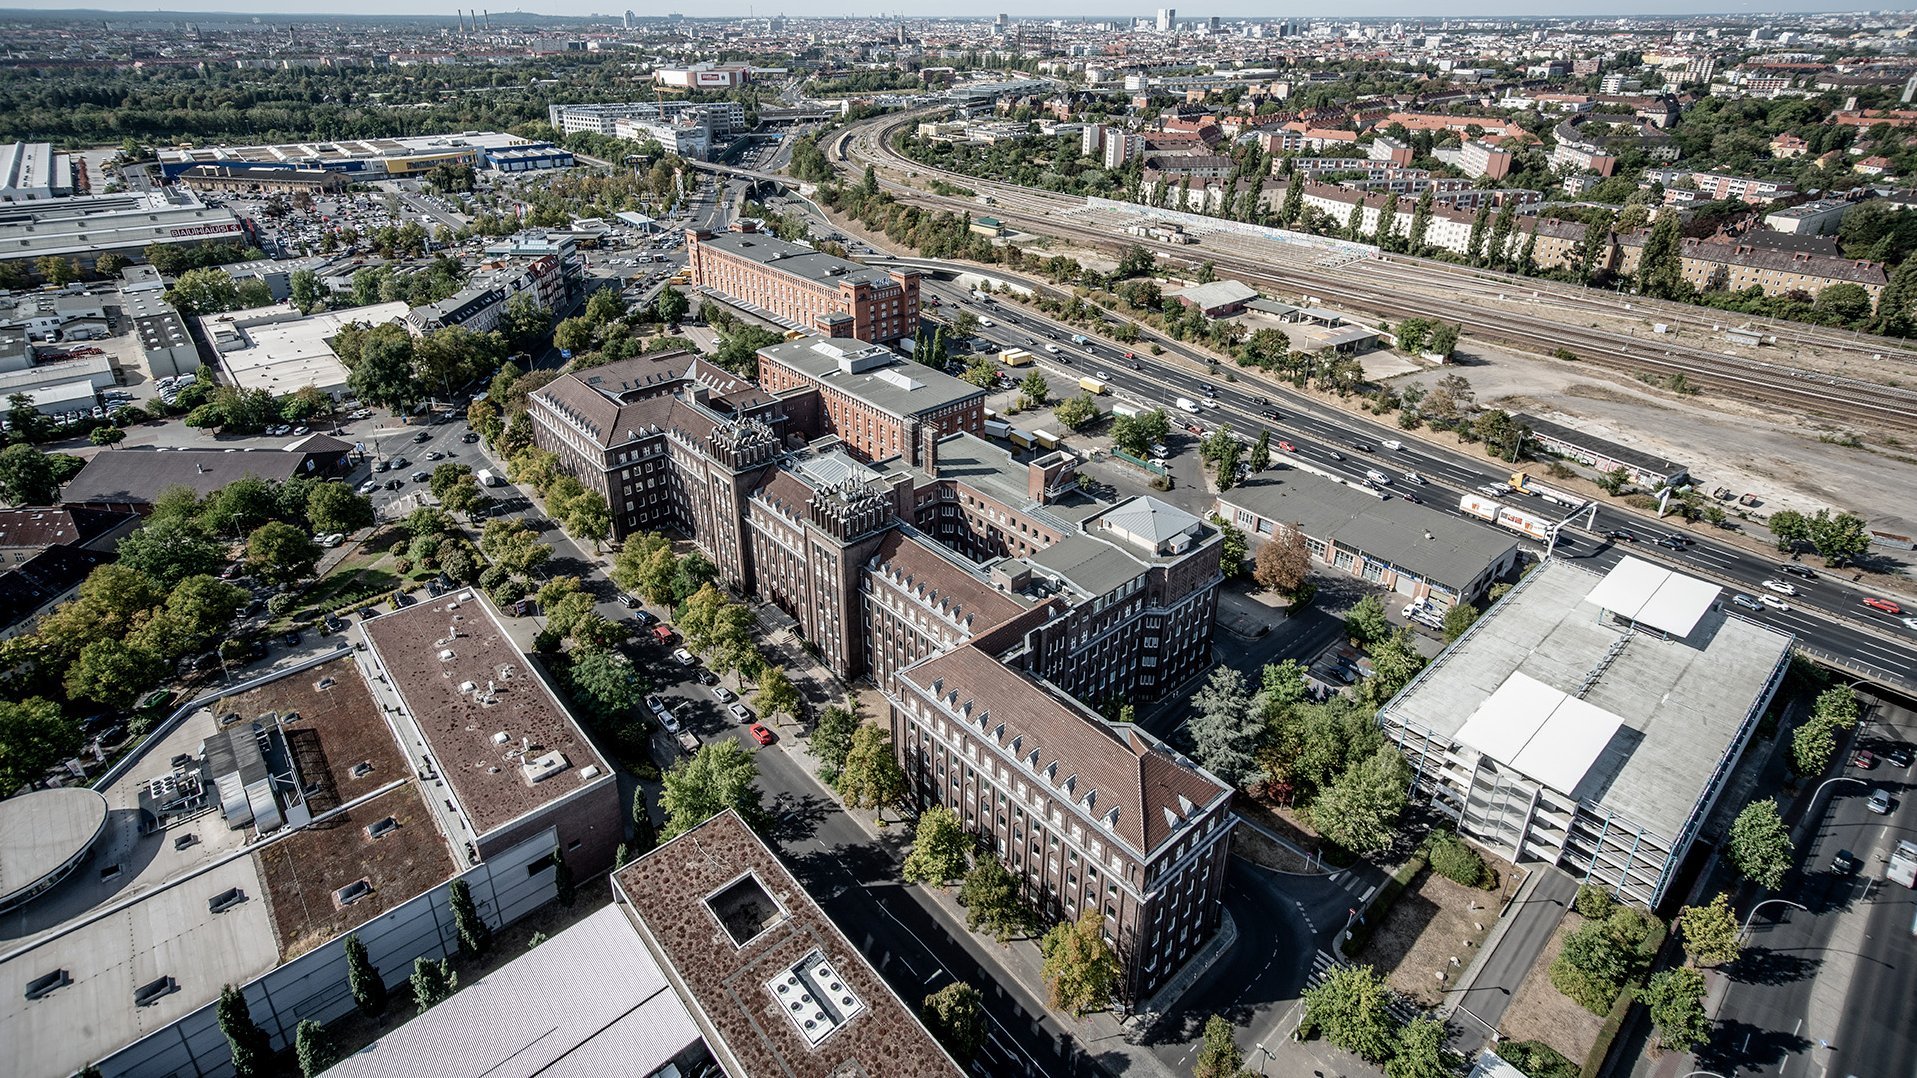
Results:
1491 982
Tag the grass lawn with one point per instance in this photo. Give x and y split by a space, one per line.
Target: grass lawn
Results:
366 572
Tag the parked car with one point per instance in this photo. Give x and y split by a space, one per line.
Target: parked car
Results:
721 693
683 657
740 712
1863 759
654 703
762 735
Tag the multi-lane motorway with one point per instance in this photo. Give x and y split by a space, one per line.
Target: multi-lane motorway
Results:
1827 615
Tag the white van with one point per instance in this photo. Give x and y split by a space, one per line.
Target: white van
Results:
488 479
1186 404
1378 477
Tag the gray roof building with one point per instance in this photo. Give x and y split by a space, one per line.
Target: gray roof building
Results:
1412 548
873 375
1602 453
796 259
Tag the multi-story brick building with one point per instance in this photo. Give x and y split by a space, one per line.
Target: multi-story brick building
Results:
875 403
1087 816
962 582
806 287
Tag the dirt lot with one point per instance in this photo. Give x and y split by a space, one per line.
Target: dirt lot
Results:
1426 928
1776 456
1539 1012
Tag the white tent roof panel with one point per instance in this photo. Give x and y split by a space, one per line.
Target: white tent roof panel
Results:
1548 735
1653 595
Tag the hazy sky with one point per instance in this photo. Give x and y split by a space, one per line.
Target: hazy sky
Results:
919 8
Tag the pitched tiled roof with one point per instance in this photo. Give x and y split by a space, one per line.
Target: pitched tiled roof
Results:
1102 768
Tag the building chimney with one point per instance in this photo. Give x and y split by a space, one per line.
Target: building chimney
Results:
746 224
929 449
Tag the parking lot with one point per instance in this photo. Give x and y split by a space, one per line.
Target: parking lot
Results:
290 227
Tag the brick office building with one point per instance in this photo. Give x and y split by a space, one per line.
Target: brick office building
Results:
952 568
806 287
872 400
1088 816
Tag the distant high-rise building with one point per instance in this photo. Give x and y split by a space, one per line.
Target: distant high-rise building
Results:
775 24
999 21
1211 25
1166 16
1910 89
631 17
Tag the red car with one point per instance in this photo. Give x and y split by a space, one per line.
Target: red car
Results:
1287 446
762 735
1884 605
1131 355
1865 760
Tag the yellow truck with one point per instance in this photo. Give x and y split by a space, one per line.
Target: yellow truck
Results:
1093 386
1015 357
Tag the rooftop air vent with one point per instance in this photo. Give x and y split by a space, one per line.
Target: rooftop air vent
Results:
361 770
540 768
353 892
381 827
225 900
153 991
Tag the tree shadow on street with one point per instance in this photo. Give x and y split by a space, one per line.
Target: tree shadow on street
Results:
1761 965
1743 1046
795 817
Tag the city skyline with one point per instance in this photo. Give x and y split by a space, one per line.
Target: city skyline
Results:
1362 9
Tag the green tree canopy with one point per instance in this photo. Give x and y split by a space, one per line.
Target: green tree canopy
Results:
34 736
721 775
1760 845
991 900
1352 1006
955 1016
940 848
1079 967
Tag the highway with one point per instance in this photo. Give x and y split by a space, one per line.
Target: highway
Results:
1828 990
1423 288
1826 615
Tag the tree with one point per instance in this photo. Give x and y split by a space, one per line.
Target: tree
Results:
432 980
1838 538
1457 620
305 291
113 672
332 507
719 776
1660 268
475 935
1760 844
871 777
384 373
252 1048
204 291
1365 621
990 897
955 1016
1790 527
1034 391
604 684
1227 733
279 552
1360 809
313 1048
1592 967
1136 434
1844 304
1284 562
523 323
1675 998
363 979
1812 746
1218 1055
1351 1004
1710 932
1232 545
940 848
33 737
670 306
1076 412
573 335
26 473
777 695
106 436
832 740
1080 969
1395 660
1260 457
1421 1052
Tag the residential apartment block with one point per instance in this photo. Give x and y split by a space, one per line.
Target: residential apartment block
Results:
805 287
1481 160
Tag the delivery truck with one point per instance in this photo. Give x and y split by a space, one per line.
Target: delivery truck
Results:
1529 524
1523 481
1129 411
1093 386
1016 357
1903 864
1479 506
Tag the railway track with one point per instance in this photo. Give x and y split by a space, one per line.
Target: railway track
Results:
1850 399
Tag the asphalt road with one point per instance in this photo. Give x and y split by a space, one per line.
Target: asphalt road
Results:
1826 614
1831 989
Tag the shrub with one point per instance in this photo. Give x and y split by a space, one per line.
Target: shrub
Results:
1593 902
1537 1059
1454 859
281 603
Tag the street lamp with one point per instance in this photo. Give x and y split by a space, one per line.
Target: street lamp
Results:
1742 932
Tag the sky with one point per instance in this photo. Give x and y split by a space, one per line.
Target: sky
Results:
1230 9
